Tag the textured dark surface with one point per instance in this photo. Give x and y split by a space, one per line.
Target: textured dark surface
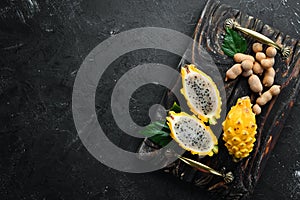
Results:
42 44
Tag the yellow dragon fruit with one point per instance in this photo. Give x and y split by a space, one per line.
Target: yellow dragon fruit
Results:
240 129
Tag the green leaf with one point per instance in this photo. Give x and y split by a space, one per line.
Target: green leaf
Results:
158 131
161 124
176 108
161 140
233 43
156 128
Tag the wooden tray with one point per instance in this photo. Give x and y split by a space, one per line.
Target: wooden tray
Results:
209 33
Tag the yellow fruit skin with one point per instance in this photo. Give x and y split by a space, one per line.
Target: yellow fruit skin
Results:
211 117
240 129
170 121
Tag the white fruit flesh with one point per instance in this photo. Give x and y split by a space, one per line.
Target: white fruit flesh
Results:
191 133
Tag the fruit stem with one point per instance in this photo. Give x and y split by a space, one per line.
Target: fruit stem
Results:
215 149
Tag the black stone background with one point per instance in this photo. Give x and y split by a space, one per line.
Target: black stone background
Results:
42 45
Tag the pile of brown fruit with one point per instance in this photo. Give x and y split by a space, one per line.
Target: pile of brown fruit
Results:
254 68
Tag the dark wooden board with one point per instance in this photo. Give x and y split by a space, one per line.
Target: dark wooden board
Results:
209 34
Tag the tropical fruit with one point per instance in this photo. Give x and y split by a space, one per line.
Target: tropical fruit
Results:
201 94
192 134
240 129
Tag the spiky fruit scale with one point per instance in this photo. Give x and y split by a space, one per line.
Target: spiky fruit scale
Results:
201 94
240 129
192 134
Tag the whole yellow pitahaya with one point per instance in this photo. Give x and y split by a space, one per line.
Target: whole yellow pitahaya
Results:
240 129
